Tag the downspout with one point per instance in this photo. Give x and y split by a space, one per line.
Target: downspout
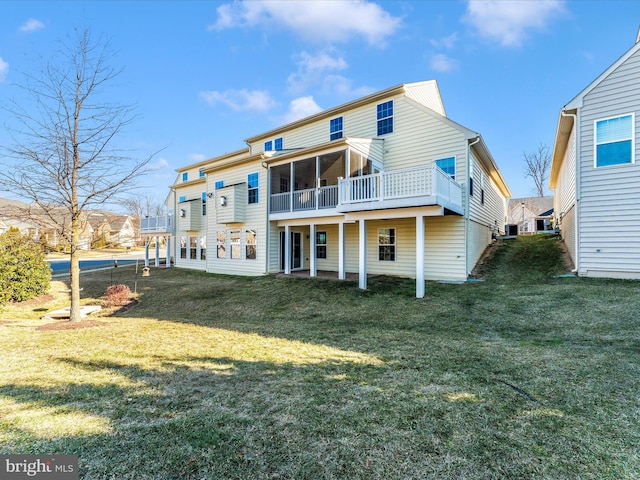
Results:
174 228
577 160
467 209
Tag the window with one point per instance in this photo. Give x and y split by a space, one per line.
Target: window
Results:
234 236
183 198
471 176
185 176
614 140
385 117
204 203
482 188
193 248
221 245
183 247
201 174
219 184
335 128
203 248
387 244
278 143
252 183
321 245
268 146
448 166
251 244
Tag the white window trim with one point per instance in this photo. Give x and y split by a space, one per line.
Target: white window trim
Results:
633 140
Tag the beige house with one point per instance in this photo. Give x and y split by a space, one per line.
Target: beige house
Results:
531 214
386 184
595 172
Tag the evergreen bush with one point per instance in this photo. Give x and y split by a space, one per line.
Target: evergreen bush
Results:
24 270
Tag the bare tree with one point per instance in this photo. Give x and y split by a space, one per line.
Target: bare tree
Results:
64 158
142 206
537 167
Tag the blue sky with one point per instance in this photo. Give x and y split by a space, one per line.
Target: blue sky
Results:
206 75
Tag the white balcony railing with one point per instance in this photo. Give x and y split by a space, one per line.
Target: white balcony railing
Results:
162 224
422 181
372 191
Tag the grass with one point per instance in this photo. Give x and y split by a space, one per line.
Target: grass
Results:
217 377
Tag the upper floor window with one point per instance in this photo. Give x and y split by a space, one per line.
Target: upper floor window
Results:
183 198
614 140
185 176
202 174
385 117
448 166
219 184
204 203
252 184
277 143
268 146
335 128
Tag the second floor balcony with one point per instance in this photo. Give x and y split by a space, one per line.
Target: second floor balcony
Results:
411 187
151 225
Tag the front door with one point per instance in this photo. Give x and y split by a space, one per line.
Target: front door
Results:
296 251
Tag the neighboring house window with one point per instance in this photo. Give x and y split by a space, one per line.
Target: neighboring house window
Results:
385 117
278 143
204 203
234 236
203 248
193 248
221 248
220 184
321 245
183 198
335 128
251 244
614 140
201 174
183 247
268 146
185 176
471 176
482 182
252 183
387 244
448 166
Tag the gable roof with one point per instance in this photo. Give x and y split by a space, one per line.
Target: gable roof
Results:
427 93
566 120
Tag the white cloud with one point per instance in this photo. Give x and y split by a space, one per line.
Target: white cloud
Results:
311 68
447 42
442 63
161 164
241 100
319 20
4 69
343 87
300 108
197 157
509 21
31 25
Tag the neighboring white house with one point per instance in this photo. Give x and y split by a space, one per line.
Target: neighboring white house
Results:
596 175
385 184
531 214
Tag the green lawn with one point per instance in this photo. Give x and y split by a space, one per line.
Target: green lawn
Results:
215 377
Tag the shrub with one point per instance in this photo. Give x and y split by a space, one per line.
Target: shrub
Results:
117 295
24 270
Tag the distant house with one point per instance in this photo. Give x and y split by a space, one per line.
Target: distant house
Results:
112 229
531 214
595 172
386 184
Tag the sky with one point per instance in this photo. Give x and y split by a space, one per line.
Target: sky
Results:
205 75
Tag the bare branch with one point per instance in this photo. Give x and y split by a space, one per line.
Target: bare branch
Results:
537 167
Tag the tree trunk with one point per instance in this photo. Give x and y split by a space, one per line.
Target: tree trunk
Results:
74 268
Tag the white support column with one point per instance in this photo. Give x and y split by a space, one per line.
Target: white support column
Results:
287 250
419 256
313 268
169 252
157 264
342 270
146 252
362 251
